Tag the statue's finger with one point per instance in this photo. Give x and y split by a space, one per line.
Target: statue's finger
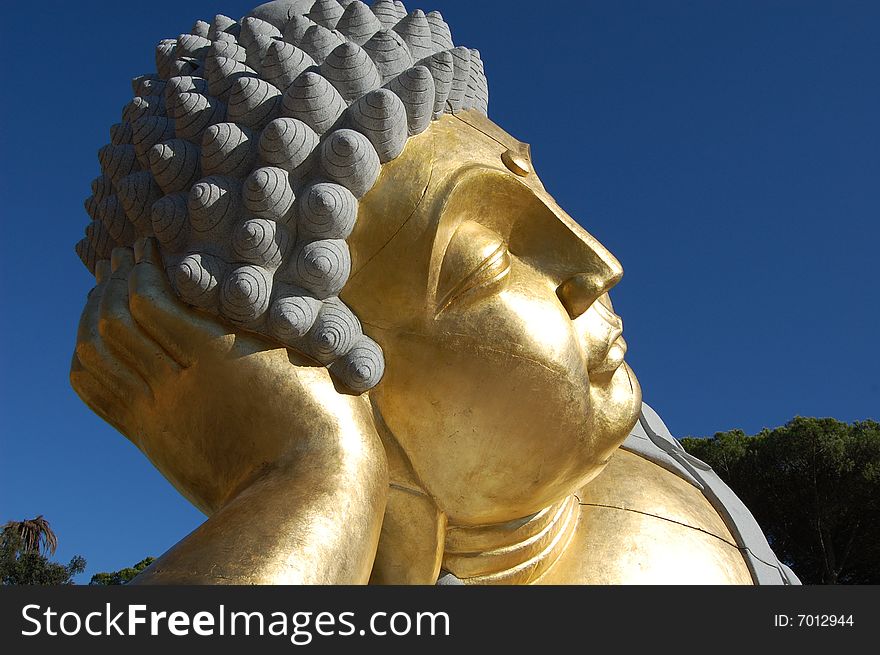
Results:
87 336
93 354
102 272
93 302
121 261
154 305
121 333
104 401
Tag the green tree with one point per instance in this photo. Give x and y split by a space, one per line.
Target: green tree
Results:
24 550
814 487
36 535
123 576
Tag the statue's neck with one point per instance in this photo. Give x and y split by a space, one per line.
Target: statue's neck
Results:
516 552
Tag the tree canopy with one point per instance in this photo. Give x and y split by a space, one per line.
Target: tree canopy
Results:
24 549
122 576
814 487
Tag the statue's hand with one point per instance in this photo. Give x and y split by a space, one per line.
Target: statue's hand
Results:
118 365
208 404
149 364
255 435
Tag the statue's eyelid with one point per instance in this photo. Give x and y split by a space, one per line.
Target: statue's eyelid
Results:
493 267
491 270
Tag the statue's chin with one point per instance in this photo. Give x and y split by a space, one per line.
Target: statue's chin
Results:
617 402
616 405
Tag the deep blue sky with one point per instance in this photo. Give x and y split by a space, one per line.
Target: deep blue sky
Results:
727 152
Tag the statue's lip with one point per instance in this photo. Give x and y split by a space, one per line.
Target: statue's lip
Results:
615 349
613 319
613 358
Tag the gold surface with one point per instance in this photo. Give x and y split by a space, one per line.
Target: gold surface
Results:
517 162
517 552
291 472
505 393
483 361
641 524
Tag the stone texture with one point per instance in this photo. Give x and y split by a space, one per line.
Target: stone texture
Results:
245 154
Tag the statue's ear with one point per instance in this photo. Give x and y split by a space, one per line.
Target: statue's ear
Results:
410 547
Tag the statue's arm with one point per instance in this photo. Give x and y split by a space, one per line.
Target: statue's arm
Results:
299 523
290 470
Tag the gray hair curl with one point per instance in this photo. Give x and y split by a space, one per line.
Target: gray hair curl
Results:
246 154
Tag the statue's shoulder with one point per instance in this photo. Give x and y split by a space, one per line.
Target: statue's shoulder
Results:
658 515
651 442
642 524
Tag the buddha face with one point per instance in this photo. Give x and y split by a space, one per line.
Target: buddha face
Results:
505 383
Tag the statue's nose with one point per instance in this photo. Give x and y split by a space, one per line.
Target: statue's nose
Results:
581 268
592 269
580 291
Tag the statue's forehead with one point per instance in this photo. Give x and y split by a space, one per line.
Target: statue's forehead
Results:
482 124
414 188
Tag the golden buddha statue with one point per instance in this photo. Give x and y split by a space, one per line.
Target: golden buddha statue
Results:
476 438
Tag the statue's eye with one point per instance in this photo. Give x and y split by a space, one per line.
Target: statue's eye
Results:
477 259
